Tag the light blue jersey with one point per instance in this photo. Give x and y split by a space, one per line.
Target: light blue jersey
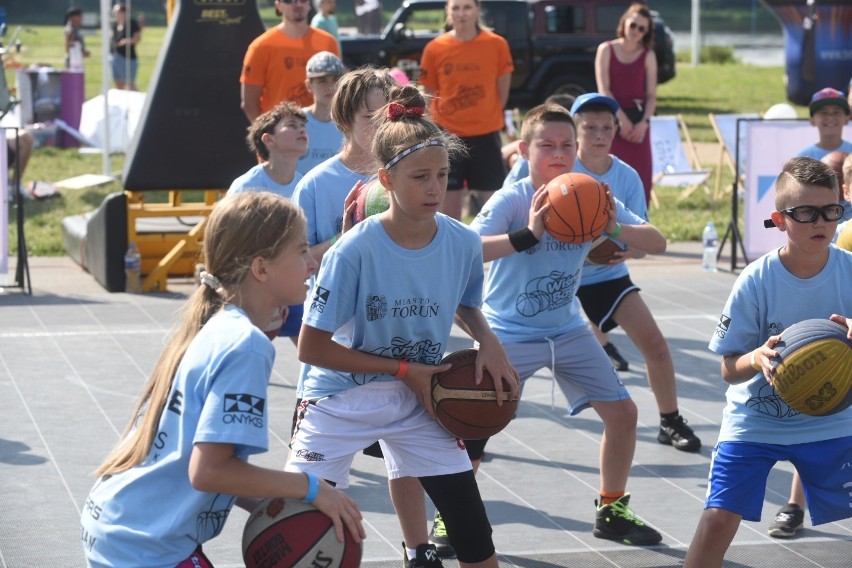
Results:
321 194
626 186
817 153
383 299
767 299
150 515
520 170
531 295
325 142
256 179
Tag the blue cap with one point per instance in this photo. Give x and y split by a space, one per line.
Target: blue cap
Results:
593 98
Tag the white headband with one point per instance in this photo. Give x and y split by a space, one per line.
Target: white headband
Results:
432 142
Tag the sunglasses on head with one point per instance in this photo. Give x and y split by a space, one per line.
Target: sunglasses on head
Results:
809 214
635 26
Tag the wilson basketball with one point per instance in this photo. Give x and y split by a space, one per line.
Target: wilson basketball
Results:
603 250
578 208
285 533
835 161
813 370
372 199
467 410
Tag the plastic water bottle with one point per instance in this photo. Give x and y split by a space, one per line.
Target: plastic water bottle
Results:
133 270
710 238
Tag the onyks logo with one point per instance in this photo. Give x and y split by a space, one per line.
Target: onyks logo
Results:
244 409
722 326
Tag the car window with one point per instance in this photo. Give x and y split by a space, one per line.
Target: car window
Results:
508 21
565 19
429 21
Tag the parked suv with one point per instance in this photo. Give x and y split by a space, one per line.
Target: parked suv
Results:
553 42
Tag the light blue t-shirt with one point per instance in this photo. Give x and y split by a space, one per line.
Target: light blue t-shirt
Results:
381 298
520 170
531 295
325 141
817 153
150 515
626 186
766 300
256 179
321 193
329 24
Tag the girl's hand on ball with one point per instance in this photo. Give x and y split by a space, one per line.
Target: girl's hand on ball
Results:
419 379
342 510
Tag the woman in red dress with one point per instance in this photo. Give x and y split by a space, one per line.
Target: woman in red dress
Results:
626 70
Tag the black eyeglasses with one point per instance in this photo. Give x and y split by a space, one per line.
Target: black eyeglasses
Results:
809 213
633 26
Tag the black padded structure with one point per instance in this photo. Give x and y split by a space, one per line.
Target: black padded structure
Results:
191 134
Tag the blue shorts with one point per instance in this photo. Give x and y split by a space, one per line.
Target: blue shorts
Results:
580 366
119 68
293 323
738 473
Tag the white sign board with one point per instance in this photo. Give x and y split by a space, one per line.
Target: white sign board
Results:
770 143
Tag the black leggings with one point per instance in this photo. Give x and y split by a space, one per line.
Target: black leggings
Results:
457 497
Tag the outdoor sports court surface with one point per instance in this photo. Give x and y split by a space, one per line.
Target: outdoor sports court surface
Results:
73 358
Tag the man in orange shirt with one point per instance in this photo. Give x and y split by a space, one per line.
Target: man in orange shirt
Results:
274 65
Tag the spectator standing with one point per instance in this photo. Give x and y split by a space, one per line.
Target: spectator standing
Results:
626 70
274 65
469 71
126 33
73 35
325 19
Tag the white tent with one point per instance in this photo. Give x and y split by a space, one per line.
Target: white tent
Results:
123 108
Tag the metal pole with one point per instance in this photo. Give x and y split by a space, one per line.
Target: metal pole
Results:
696 31
105 81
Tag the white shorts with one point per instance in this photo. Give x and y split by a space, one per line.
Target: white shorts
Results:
333 429
580 366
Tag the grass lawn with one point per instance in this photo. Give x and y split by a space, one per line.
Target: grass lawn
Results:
717 88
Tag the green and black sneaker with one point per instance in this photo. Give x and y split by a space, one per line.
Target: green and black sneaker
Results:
617 522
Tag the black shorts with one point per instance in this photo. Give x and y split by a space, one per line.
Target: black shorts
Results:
483 167
601 300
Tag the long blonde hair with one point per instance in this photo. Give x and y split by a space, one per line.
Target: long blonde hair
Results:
240 228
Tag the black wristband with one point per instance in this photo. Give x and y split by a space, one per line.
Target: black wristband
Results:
523 239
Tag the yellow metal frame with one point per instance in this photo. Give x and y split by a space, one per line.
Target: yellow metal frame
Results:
165 254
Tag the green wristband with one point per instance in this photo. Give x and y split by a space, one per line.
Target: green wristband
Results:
333 239
616 232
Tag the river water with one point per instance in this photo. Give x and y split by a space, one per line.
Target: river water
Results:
754 49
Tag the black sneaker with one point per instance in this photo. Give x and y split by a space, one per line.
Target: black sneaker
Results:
619 362
426 557
617 522
678 434
788 521
438 537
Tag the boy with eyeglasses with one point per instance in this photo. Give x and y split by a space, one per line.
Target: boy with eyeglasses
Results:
807 278
274 64
829 112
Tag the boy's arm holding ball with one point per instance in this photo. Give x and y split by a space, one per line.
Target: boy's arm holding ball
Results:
498 246
645 237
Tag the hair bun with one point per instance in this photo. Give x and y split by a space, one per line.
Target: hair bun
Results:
397 111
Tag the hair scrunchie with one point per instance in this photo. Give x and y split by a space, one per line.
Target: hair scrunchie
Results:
209 280
397 111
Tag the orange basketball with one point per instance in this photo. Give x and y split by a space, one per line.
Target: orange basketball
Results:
467 410
578 208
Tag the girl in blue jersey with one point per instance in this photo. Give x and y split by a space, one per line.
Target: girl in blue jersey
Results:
170 484
377 327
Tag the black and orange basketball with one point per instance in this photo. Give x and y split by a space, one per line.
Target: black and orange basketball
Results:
467 410
813 370
603 250
578 208
286 533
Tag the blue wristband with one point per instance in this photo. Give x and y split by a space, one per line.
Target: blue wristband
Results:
313 488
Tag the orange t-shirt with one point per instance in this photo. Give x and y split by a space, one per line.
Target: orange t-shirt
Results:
463 75
277 62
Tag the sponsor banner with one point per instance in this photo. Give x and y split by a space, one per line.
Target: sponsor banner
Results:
769 143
